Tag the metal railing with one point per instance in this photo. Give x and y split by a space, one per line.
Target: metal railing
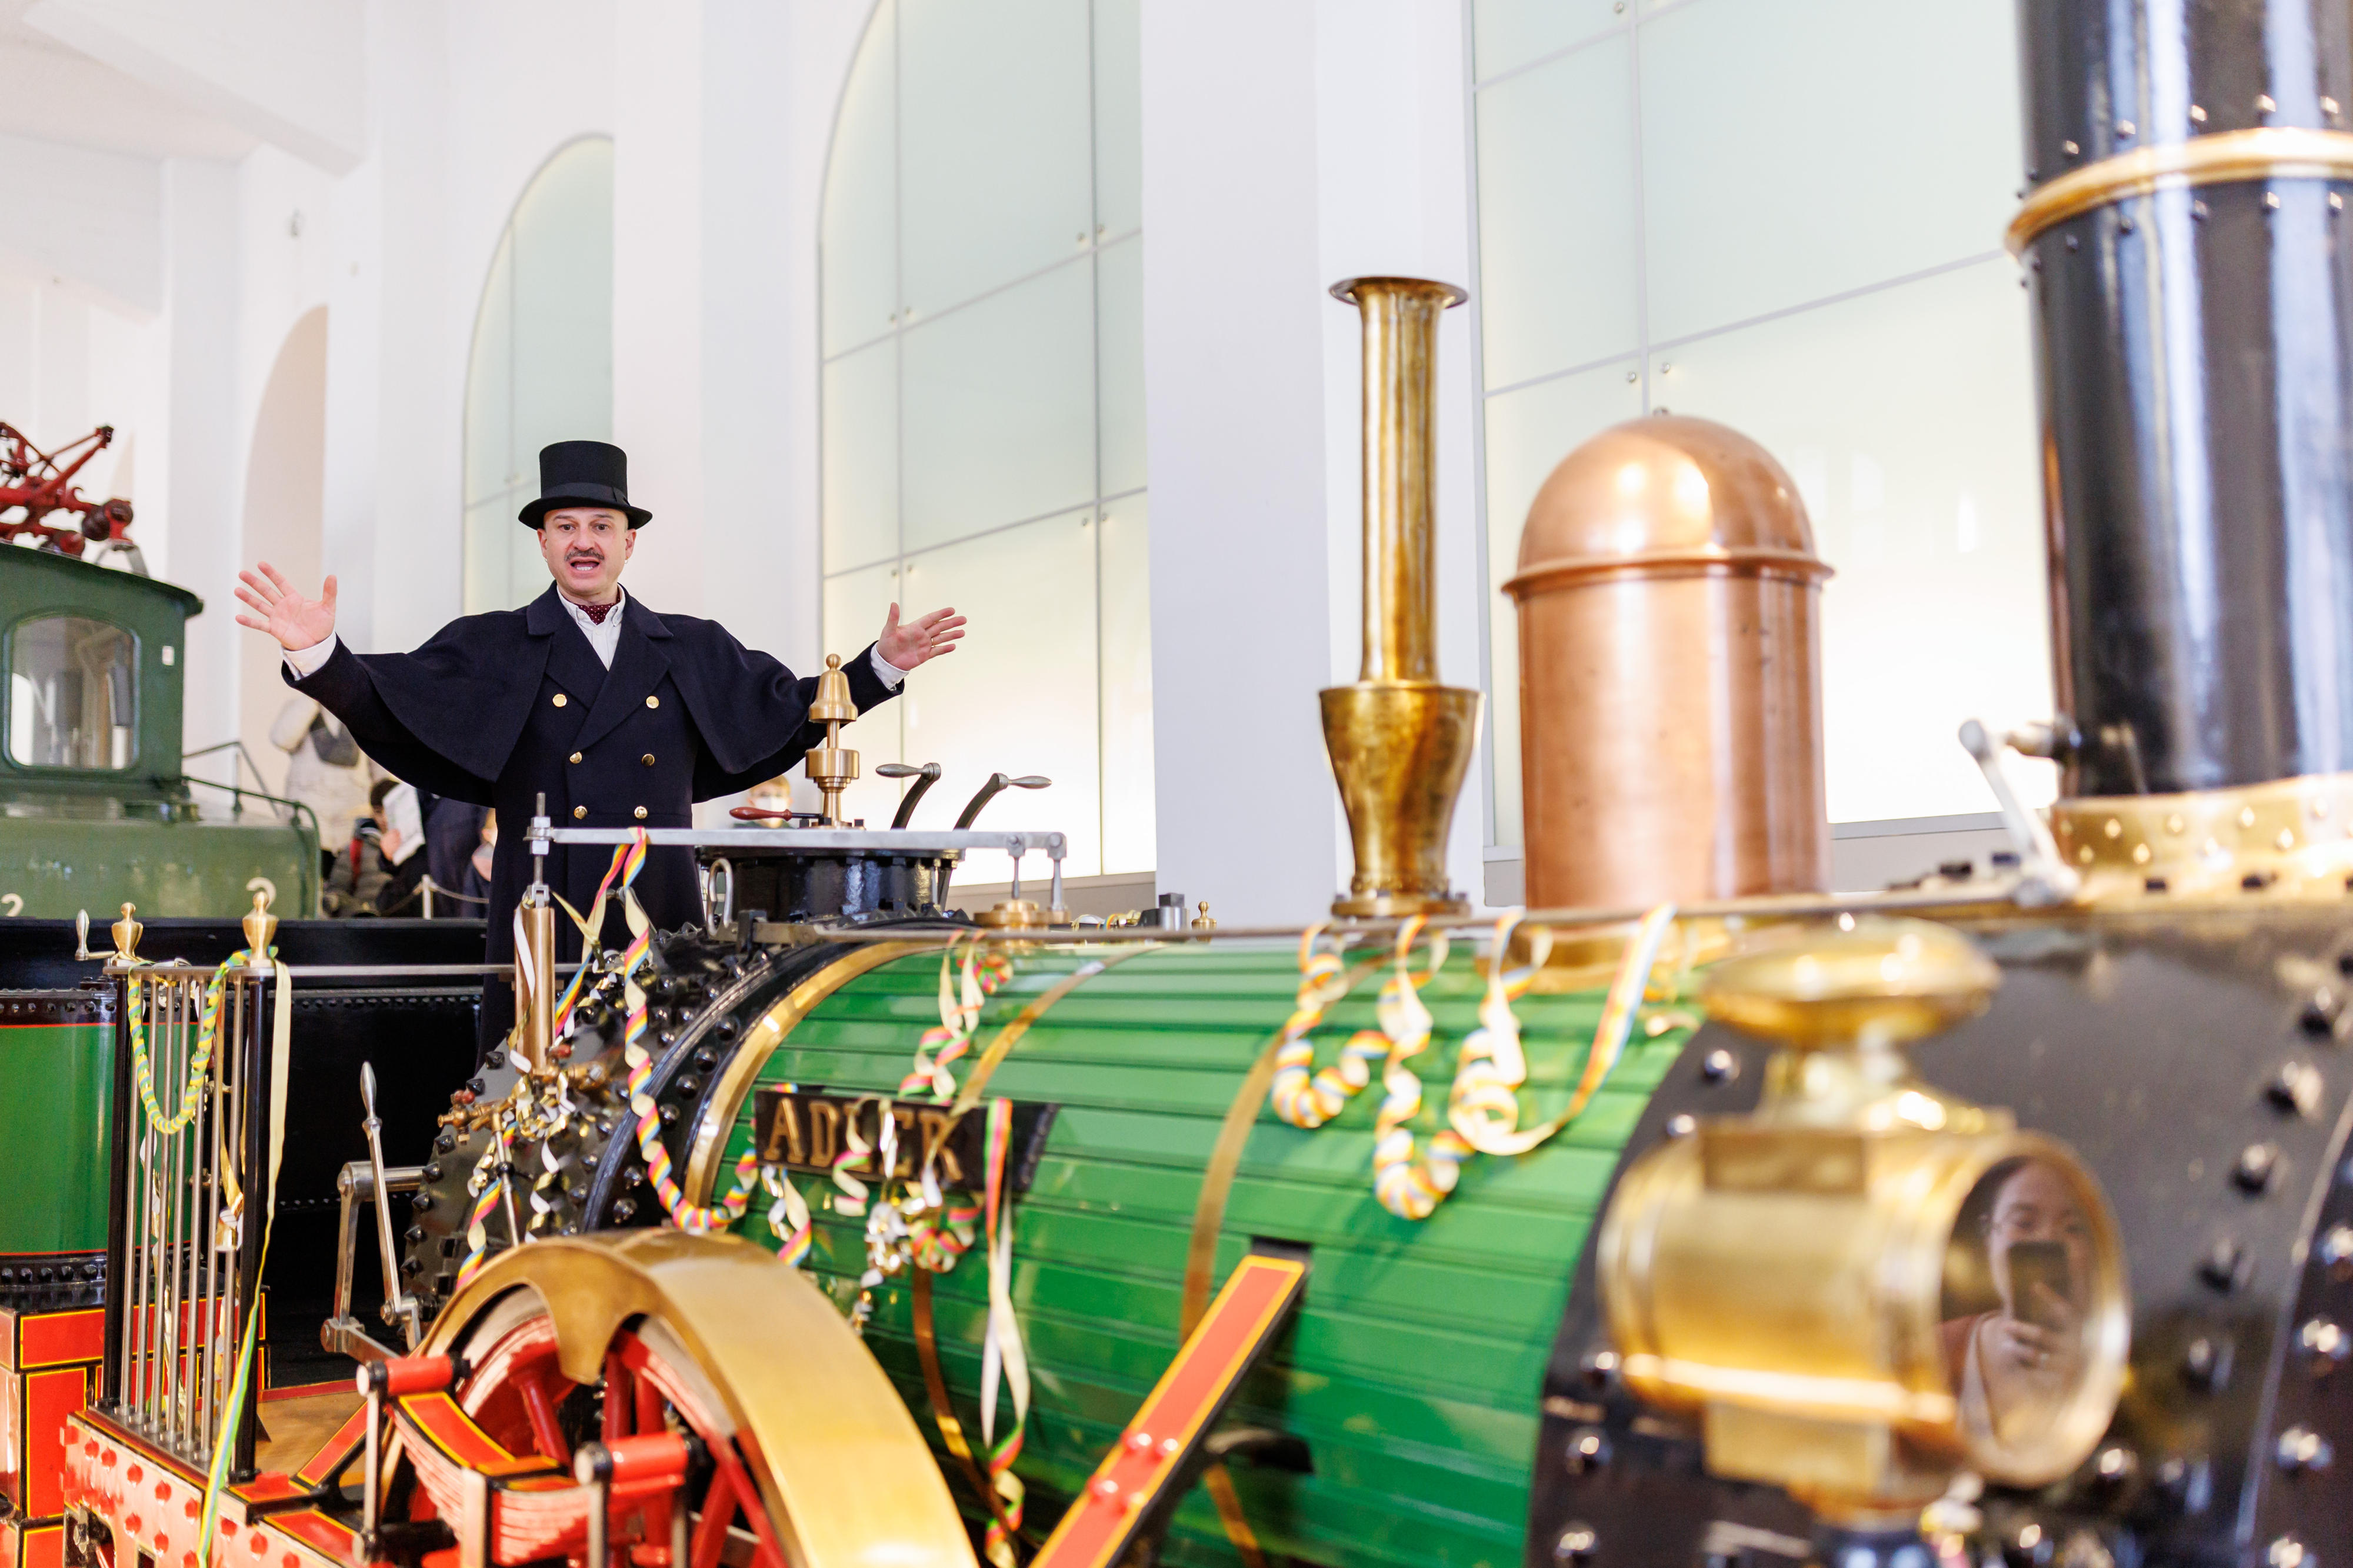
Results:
190 1171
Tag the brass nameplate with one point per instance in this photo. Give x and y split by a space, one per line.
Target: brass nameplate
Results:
807 1128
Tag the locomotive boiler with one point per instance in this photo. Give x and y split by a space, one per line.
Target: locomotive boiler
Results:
1715 1218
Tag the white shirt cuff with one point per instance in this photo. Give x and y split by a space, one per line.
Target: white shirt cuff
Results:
306 662
884 671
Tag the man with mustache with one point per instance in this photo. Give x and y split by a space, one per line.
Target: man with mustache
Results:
619 716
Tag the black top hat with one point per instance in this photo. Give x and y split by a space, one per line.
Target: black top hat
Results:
583 473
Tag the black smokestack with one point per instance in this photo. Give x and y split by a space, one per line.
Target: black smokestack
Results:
2195 341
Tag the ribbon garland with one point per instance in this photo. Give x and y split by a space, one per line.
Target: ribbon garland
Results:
1483 1109
1001 1350
980 977
192 1093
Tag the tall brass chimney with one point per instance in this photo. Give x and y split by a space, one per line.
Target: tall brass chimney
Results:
1400 742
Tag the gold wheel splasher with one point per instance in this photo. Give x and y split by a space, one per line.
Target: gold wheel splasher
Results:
1867 1285
1400 742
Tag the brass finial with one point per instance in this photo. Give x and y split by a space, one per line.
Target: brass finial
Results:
126 936
1202 920
260 925
1870 981
830 767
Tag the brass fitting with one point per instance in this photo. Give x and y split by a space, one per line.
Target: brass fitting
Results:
830 767
1399 741
1852 1286
536 982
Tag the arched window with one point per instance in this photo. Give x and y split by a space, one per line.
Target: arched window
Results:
542 365
982 259
1786 215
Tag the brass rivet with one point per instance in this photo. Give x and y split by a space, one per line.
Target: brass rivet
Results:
653 702
2174 824
576 757
2287 839
561 700
578 812
2320 806
2085 855
2113 828
641 814
2141 854
648 759
2246 816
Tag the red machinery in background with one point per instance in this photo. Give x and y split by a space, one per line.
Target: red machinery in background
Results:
39 501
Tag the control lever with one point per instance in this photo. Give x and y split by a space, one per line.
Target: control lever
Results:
2042 877
399 1306
929 773
762 814
996 784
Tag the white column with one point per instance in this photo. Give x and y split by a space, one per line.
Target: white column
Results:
657 282
201 289
1234 424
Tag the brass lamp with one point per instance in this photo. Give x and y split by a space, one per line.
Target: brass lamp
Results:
1399 741
1815 1280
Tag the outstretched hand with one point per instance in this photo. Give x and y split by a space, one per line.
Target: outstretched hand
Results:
296 622
904 648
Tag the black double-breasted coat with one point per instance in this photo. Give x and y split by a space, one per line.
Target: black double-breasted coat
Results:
499 708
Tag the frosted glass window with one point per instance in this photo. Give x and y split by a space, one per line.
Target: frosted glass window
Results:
1041 579
1557 257
858 245
862 455
995 145
1784 160
1119 328
541 369
1787 215
1928 505
1512 32
1527 433
999 404
1126 568
983 409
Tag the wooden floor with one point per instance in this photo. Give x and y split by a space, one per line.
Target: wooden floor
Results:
297 1426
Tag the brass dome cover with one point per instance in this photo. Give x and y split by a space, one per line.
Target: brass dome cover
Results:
1666 493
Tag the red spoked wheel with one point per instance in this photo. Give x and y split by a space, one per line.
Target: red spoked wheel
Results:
720 1382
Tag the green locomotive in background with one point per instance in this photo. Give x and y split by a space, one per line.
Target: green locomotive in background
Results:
96 807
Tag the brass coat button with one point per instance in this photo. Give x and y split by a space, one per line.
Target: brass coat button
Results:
578 812
576 757
561 700
653 702
641 814
648 759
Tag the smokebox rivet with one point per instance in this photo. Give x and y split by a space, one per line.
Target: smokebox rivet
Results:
2070 149
2287 1551
2264 104
2074 243
2124 127
2174 824
1720 1067
2336 201
2327 106
2302 1448
2325 1343
2113 827
1577 1542
2197 115
1683 1126
2271 200
2254 1168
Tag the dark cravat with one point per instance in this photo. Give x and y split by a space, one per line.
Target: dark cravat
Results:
596 613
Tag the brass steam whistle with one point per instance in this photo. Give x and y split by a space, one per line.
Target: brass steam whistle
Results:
830 767
534 1041
1867 1285
1399 741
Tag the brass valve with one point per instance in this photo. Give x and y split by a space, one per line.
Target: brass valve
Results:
1867 1284
831 767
